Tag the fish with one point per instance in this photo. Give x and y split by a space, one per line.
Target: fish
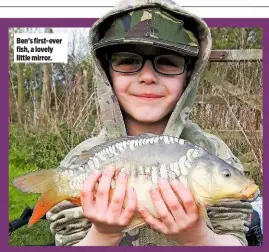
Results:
144 159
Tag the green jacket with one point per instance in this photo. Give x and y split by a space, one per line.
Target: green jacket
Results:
66 220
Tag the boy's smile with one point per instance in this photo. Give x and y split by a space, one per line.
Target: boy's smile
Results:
148 96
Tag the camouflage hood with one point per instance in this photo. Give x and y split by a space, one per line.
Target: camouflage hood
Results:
67 222
195 34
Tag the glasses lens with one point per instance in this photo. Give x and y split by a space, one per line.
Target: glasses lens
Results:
170 64
126 62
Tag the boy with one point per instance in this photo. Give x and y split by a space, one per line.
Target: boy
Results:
149 56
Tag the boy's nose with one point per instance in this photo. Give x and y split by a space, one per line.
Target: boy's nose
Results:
147 74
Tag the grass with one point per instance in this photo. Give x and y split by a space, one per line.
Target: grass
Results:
31 150
38 234
27 152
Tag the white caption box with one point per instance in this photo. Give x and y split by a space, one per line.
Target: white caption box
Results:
40 47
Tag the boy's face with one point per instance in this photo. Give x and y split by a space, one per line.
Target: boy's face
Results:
146 95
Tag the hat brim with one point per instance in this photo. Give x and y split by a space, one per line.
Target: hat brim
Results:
185 50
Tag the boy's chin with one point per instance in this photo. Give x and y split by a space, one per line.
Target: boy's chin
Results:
148 118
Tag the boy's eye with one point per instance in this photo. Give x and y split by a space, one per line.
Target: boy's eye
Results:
166 61
170 61
124 58
128 61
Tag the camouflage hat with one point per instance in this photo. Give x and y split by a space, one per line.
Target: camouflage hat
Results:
153 26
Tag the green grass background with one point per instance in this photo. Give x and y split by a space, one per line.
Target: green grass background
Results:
30 151
38 234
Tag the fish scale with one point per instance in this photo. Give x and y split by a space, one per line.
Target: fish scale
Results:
145 159
153 169
135 143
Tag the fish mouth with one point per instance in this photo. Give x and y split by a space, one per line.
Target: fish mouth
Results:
250 193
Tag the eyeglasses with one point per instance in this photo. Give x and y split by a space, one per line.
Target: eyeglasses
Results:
125 62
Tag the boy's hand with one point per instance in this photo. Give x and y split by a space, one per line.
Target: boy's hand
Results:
179 220
108 218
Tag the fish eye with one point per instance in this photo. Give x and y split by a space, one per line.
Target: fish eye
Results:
226 173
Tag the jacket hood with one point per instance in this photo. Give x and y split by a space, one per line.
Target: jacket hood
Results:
111 114
63 216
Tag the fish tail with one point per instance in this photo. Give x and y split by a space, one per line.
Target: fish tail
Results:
40 182
44 204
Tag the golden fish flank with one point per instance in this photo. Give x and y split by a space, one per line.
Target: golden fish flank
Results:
145 159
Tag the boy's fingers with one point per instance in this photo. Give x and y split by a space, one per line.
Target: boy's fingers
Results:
87 193
153 222
119 194
171 200
161 208
185 195
102 194
130 209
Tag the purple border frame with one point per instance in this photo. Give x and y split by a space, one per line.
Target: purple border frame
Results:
5 23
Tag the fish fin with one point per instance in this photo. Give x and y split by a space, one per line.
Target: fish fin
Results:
35 182
204 215
44 204
75 201
137 222
148 134
40 182
80 159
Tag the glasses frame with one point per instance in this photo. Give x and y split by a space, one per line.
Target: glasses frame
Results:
152 60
